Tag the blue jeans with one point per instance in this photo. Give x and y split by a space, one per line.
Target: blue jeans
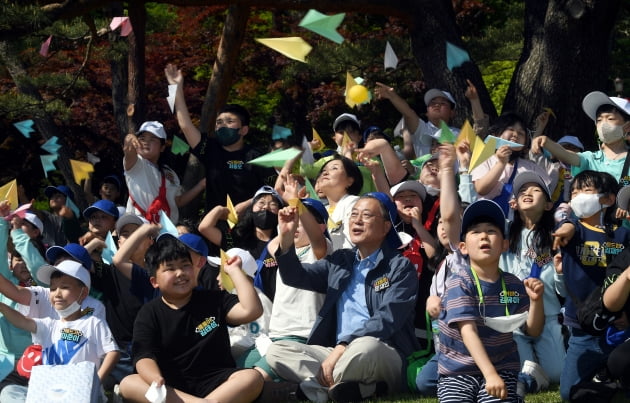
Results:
546 349
427 379
585 355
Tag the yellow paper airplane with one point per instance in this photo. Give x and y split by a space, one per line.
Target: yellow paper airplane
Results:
346 140
482 151
81 170
226 280
232 218
317 137
294 47
350 82
297 203
9 192
466 133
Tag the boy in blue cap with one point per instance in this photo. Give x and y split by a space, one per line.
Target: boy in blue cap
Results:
481 306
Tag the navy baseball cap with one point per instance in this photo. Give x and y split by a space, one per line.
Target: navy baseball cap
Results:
194 243
63 189
76 252
392 236
483 208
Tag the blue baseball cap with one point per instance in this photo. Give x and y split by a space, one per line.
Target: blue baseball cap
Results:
392 236
113 179
483 208
63 189
315 206
194 243
106 206
76 252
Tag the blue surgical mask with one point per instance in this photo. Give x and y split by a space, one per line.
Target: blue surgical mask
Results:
226 136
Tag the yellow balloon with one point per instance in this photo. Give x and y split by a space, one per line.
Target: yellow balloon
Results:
358 94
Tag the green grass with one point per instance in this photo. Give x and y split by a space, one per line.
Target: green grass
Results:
548 396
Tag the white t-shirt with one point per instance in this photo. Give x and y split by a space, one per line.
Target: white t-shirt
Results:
338 222
85 339
523 165
144 180
295 310
244 336
424 135
40 306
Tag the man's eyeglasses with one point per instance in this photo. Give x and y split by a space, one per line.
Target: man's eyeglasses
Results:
364 215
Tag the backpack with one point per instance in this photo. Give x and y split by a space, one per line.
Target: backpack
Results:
593 316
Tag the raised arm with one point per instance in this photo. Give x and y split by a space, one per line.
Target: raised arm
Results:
249 307
410 116
208 225
566 156
17 319
449 205
174 77
393 168
122 258
130 153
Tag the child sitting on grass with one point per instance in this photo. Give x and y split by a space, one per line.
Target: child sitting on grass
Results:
481 307
180 339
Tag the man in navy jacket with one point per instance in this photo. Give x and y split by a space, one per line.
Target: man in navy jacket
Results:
364 331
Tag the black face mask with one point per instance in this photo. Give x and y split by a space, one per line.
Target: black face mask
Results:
265 219
226 136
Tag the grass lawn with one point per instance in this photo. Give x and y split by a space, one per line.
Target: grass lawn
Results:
549 396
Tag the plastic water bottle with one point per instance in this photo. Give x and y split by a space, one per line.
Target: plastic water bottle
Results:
435 328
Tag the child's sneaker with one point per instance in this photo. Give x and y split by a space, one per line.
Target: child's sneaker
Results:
533 369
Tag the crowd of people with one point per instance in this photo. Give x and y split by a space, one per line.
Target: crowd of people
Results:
287 291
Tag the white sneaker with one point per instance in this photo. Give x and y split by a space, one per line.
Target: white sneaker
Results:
116 397
536 371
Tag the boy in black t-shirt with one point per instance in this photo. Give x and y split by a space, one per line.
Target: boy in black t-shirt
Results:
180 339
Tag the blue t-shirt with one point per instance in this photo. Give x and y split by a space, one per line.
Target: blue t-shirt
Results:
584 262
460 303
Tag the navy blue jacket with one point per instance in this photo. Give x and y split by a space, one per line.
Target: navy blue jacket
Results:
390 292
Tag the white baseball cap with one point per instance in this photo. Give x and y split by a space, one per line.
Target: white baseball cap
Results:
595 99
249 265
434 93
33 219
68 267
153 127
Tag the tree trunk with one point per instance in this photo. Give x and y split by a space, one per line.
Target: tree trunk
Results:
119 54
137 88
223 69
434 25
45 124
566 55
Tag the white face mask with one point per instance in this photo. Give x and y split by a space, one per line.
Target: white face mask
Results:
609 133
70 309
586 205
431 190
506 324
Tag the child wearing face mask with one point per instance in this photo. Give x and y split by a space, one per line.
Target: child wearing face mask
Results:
91 337
588 244
612 120
254 230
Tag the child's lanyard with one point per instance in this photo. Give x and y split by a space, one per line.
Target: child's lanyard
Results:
474 273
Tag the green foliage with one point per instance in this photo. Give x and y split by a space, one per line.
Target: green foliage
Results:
495 45
160 18
497 76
